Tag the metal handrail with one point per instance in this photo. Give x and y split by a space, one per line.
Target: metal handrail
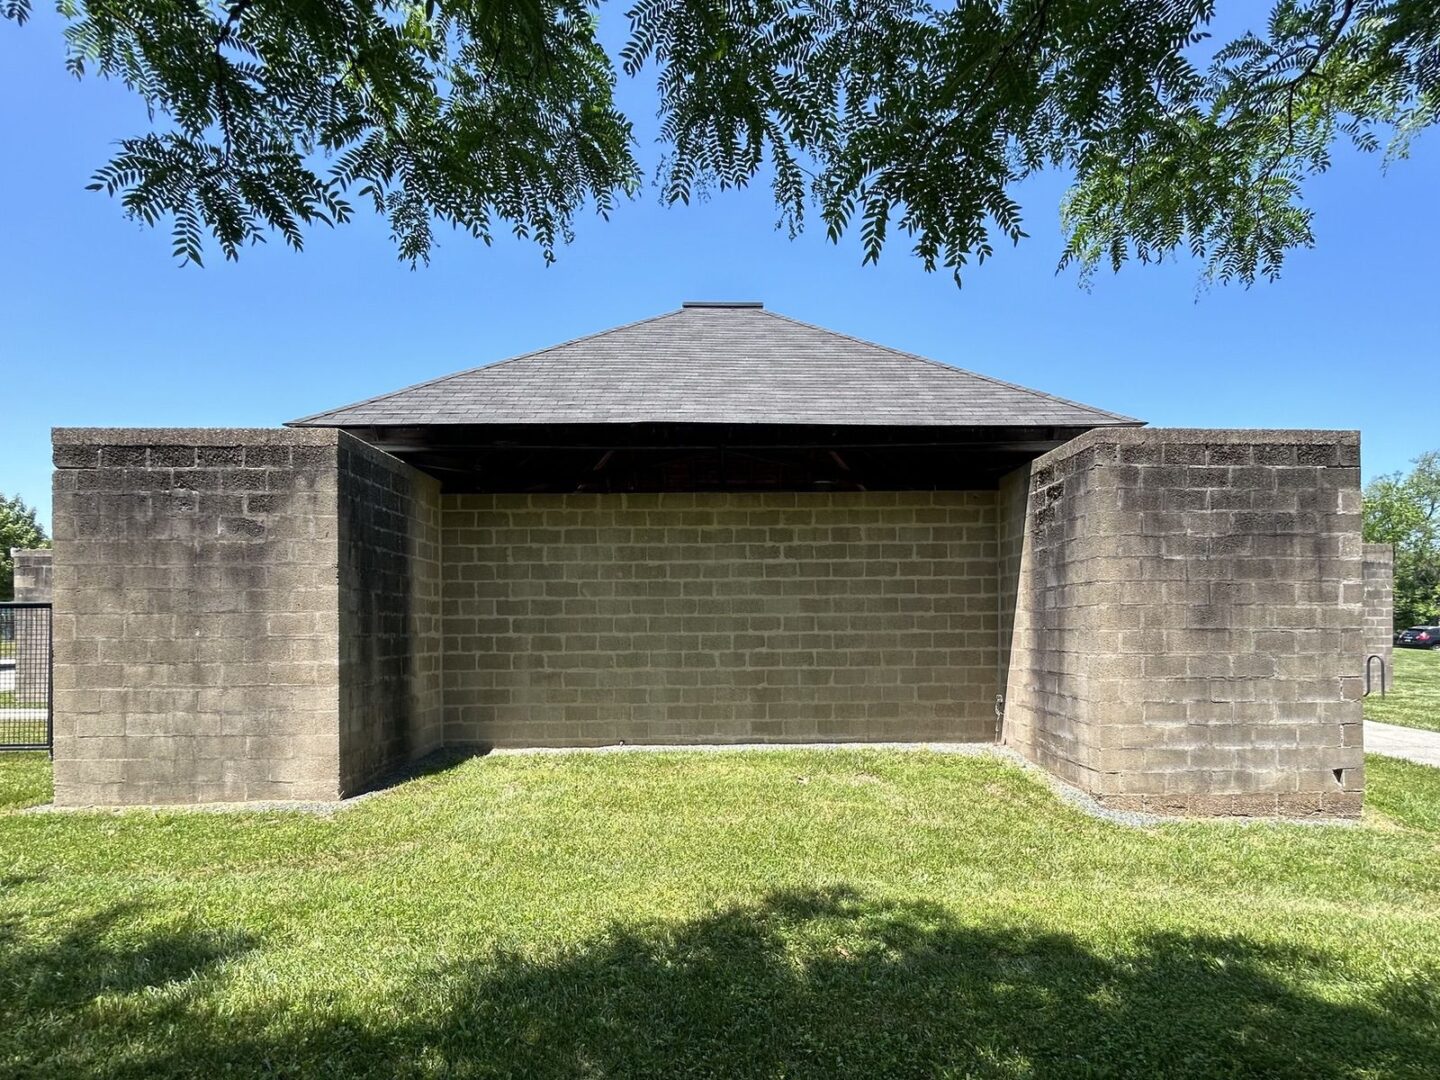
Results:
1383 679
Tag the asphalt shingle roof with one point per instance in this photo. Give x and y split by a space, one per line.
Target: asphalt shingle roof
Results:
714 363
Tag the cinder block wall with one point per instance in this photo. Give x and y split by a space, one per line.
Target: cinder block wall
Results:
195 615
1380 611
1059 625
1011 501
34 581
1188 632
200 587
285 614
585 619
389 533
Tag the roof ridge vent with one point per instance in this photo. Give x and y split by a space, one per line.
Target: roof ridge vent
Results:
723 304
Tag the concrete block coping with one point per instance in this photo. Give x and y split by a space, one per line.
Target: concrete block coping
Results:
278 436
1134 436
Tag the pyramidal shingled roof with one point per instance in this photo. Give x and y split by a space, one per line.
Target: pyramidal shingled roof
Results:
718 363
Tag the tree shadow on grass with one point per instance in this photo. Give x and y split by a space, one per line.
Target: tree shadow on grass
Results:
824 984
46 983
91 959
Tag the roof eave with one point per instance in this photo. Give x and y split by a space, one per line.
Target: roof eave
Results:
328 420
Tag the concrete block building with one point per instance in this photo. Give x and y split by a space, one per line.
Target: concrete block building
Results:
715 526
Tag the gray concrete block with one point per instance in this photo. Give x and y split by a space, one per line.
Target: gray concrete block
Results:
1277 587
1174 616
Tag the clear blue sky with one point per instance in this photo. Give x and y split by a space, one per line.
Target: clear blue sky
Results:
99 327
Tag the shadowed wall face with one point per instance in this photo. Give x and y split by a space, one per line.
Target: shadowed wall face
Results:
585 619
1188 633
1011 502
389 635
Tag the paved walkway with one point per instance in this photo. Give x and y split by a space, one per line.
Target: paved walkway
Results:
1413 744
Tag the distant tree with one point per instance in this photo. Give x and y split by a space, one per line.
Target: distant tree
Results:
1404 510
18 529
891 116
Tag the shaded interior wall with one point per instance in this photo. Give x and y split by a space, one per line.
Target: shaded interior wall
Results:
390 662
1380 611
1189 625
715 617
196 615
1062 619
1011 502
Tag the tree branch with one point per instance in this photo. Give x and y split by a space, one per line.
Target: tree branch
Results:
222 96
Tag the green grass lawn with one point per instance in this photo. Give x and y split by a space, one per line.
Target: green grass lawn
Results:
784 914
21 729
1415 699
9 700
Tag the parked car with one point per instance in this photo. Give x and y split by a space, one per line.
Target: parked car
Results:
1419 637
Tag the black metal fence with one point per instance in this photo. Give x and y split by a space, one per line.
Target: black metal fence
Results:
26 686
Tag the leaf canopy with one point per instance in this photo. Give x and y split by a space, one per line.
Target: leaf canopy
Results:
19 529
1403 510
883 118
